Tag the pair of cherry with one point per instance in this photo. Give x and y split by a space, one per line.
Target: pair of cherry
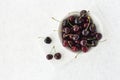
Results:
57 56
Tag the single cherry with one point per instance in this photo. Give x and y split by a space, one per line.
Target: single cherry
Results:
83 42
85 25
57 56
66 30
75 37
76 28
47 40
83 13
84 48
85 32
71 18
49 56
92 28
74 48
65 43
98 36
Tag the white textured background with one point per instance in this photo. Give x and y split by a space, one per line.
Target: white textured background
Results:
21 56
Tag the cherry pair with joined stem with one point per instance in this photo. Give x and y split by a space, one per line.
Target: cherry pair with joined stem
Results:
57 55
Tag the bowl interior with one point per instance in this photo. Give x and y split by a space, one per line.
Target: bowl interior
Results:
95 19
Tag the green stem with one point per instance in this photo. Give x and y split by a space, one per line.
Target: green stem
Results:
88 23
41 37
88 44
73 12
55 30
69 44
91 39
103 40
77 55
52 49
69 23
55 19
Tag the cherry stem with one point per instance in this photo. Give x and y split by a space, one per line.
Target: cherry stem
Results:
41 37
55 30
69 23
91 39
89 44
92 25
73 12
77 55
52 49
55 19
69 44
68 34
104 40
88 24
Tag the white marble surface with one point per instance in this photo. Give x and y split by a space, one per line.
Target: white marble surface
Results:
22 57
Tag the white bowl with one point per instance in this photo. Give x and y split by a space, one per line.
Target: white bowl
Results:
95 19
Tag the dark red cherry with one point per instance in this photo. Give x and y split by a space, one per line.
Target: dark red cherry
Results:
77 41
74 48
49 56
93 34
85 32
83 42
71 36
85 25
66 30
84 48
98 36
57 56
78 46
83 13
71 18
75 37
79 32
65 43
48 40
70 43
92 28
76 28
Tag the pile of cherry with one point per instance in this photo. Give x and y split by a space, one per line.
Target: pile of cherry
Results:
79 33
